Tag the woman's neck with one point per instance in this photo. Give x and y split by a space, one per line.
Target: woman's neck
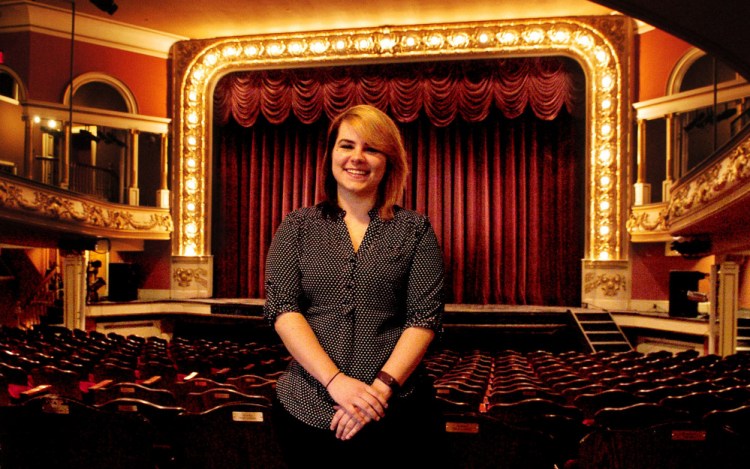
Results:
358 207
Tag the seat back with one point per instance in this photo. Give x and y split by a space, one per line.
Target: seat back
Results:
56 431
196 402
162 397
480 441
230 435
63 382
673 445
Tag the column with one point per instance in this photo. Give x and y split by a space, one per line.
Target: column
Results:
727 291
74 289
133 191
667 183
28 149
65 162
162 194
641 189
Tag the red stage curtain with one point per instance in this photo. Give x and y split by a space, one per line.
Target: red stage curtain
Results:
493 163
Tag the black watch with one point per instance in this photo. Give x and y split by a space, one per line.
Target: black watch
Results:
389 381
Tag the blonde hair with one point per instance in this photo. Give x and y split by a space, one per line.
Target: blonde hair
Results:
378 130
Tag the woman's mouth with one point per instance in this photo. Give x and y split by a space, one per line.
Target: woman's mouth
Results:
357 172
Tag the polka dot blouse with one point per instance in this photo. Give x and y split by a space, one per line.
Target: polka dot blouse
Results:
357 302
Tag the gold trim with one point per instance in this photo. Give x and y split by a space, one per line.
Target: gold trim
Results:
185 276
610 284
708 191
600 44
648 223
52 206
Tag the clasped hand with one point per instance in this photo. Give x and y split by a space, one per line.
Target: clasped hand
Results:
357 404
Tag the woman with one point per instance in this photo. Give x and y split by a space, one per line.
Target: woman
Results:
354 290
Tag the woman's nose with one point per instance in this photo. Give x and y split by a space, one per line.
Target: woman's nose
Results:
357 154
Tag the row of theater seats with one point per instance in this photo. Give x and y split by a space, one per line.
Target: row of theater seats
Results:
84 399
76 399
600 410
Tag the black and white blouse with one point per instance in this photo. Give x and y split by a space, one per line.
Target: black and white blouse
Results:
357 302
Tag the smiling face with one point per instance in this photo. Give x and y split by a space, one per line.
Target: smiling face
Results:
357 166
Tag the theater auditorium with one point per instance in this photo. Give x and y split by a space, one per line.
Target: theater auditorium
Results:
584 165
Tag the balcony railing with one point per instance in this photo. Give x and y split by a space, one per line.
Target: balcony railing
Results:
96 181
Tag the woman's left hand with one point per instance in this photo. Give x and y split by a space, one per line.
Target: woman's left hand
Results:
344 424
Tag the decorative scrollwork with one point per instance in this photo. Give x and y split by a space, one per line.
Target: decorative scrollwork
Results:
711 184
610 284
184 276
641 221
53 205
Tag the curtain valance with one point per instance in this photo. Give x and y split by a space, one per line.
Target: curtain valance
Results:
442 90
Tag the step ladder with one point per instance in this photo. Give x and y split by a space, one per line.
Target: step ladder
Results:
600 330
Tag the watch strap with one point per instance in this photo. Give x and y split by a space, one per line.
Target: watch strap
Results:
389 380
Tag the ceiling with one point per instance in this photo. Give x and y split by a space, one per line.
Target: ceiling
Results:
202 19
719 28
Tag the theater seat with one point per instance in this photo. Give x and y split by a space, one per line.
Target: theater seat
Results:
662 446
237 435
99 394
639 415
54 431
728 435
64 382
479 441
613 398
522 411
196 402
255 385
163 421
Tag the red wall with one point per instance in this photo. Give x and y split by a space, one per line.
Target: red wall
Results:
658 52
154 264
48 75
650 271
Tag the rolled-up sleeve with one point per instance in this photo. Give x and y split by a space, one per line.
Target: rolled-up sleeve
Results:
425 284
282 283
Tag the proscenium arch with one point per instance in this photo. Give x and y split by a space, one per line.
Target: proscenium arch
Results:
601 45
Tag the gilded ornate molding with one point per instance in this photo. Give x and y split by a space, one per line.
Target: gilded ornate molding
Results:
721 182
185 276
648 223
52 206
610 284
601 45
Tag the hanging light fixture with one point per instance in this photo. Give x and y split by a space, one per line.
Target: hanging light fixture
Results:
107 6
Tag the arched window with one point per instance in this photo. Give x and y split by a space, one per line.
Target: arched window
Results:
704 125
11 115
100 95
704 107
8 85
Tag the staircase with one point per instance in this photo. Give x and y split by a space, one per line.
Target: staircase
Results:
743 334
601 331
